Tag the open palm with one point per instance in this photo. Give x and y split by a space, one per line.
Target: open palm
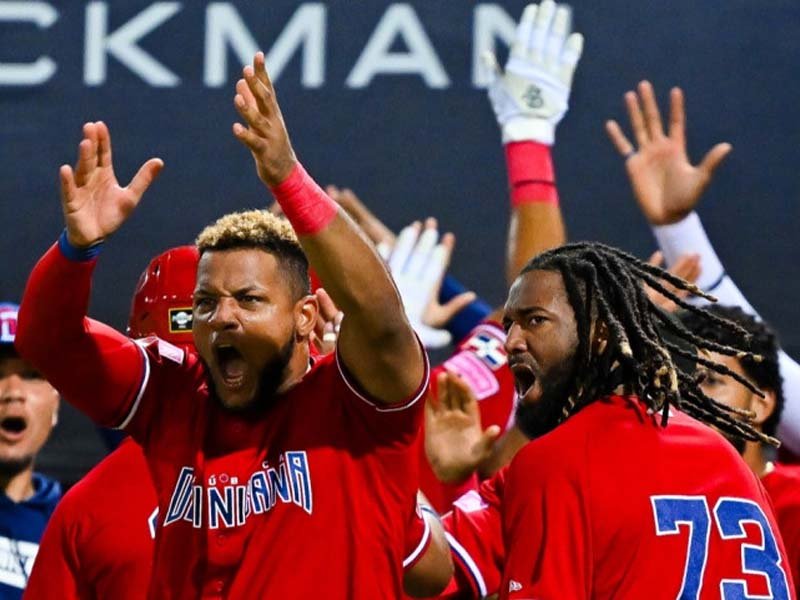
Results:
94 203
666 185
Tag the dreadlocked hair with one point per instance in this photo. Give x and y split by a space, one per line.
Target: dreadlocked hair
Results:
607 285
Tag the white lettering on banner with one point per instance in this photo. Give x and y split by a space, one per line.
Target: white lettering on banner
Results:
306 30
16 561
229 35
42 69
398 20
121 44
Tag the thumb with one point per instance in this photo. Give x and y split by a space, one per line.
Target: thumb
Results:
146 175
488 440
714 158
454 306
489 61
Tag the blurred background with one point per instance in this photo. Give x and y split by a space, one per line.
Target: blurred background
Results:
387 98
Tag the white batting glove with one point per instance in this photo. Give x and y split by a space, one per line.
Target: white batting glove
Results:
418 263
532 96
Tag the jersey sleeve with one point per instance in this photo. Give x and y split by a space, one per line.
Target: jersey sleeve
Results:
474 531
56 570
418 537
95 368
688 235
392 422
547 528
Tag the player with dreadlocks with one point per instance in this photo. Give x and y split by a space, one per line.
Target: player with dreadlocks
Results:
625 492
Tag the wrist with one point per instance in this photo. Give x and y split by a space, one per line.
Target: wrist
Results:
531 175
78 252
307 207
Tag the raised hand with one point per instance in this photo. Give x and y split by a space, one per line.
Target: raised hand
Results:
666 185
266 134
93 202
532 96
418 262
455 443
687 267
380 234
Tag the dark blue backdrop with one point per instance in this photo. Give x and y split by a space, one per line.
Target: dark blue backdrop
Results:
408 149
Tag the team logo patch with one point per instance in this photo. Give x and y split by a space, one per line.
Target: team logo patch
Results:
478 375
180 320
487 347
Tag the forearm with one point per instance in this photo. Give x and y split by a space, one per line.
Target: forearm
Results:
94 367
536 222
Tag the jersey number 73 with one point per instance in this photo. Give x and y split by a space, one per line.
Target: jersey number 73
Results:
729 516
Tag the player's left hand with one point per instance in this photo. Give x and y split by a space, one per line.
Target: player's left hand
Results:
687 267
532 96
455 442
329 321
266 135
418 263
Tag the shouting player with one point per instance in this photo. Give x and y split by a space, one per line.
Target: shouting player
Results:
305 465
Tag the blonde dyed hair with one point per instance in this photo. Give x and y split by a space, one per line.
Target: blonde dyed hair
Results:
262 230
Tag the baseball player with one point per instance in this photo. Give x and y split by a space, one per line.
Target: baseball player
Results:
304 464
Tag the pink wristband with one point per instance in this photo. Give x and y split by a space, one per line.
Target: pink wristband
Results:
308 208
530 173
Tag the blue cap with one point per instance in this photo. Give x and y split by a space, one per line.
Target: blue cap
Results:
8 322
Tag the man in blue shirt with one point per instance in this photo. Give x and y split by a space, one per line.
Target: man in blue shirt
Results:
28 412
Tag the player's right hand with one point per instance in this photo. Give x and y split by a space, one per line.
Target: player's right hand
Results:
666 185
532 96
93 202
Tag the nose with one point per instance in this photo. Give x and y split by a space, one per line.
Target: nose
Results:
11 389
224 315
515 342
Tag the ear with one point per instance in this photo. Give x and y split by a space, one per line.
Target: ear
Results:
599 336
306 313
763 407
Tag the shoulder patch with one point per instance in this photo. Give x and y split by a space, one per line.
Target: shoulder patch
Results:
488 344
478 375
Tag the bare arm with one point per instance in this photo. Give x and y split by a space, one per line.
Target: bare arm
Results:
376 342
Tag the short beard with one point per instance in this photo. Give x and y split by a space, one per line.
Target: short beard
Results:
11 467
539 418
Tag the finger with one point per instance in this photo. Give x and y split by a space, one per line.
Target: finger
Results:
68 187
421 254
491 65
488 440
402 249
87 160
254 143
454 306
327 307
637 118
570 56
694 274
329 335
524 32
244 91
714 158
467 401
444 396
621 143
677 116
259 91
103 144
436 266
652 116
146 175
260 67
557 36
249 112
541 30
656 258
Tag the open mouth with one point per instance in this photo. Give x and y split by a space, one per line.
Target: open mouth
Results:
524 378
13 426
232 365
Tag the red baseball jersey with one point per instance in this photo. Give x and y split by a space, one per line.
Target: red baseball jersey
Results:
313 496
482 362
99 541
783 488
611 505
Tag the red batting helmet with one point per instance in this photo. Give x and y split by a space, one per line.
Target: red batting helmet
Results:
162 302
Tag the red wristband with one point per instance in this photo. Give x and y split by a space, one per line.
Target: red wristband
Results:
308 208
530 173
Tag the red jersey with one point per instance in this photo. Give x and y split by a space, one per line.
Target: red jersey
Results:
611 505
99 541
783 488
311 497
482 362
